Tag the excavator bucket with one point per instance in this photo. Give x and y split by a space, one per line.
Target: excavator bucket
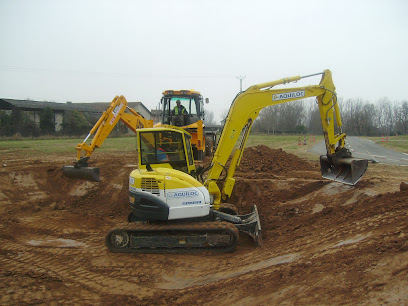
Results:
87 173
347 170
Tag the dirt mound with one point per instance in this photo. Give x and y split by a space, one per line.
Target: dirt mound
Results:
264 159
42 185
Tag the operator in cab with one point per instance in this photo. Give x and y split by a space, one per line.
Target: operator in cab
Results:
179 109
179 114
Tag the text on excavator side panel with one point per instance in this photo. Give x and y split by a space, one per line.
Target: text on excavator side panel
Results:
288 95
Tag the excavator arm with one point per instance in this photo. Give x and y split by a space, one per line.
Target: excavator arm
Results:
103 127
337 165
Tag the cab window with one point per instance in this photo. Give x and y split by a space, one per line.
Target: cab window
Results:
162 147
188 102
189 153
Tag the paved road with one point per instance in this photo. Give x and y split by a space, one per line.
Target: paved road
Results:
363 148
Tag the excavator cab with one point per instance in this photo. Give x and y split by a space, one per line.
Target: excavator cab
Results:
165 148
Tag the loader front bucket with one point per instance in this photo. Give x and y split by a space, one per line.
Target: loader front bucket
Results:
88 173
348 170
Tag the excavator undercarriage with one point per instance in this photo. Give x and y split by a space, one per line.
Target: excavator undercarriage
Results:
220 235
174 238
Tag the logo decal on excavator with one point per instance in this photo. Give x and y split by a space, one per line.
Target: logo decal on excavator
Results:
288 95
183 194
115 113
193 202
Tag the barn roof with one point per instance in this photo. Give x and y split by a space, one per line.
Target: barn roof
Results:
29 105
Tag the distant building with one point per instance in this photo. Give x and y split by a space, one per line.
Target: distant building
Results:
91 111
156 115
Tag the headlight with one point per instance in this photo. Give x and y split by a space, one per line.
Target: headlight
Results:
131 180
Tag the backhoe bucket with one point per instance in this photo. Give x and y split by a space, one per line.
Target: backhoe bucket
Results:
347 170
87 173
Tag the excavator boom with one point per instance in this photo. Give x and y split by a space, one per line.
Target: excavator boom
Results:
337 165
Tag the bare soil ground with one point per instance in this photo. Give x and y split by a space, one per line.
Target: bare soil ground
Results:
324 242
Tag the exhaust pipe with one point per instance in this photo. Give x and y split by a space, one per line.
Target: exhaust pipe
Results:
347 170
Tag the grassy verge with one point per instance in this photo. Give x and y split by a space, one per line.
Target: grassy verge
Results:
397 143
47 146
287 143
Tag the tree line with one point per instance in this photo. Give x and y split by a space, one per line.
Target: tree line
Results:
359 118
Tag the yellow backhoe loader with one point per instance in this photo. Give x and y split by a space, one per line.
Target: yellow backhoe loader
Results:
110 117
185 109
176 208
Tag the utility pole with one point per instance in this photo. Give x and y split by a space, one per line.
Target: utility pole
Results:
240 78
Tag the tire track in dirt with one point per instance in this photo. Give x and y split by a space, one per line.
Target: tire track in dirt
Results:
54 263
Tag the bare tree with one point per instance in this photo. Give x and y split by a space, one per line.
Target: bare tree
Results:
401 116
359 117
268 119
209 118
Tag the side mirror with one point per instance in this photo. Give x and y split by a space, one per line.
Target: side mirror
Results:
207 100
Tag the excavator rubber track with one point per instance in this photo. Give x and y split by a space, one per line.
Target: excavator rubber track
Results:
173 238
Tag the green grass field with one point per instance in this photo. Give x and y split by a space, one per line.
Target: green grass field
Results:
65 145
288 143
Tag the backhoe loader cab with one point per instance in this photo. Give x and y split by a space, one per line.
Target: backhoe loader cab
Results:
191 110
185 109
165 148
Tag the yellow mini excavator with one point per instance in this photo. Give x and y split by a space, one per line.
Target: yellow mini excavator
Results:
110 117
176 208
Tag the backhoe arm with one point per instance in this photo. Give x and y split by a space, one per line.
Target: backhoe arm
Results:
110 117
245 109
102 129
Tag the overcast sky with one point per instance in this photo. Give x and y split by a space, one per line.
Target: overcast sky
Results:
90 51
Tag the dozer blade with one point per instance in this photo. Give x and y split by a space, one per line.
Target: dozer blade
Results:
346 170
88 173
248 224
